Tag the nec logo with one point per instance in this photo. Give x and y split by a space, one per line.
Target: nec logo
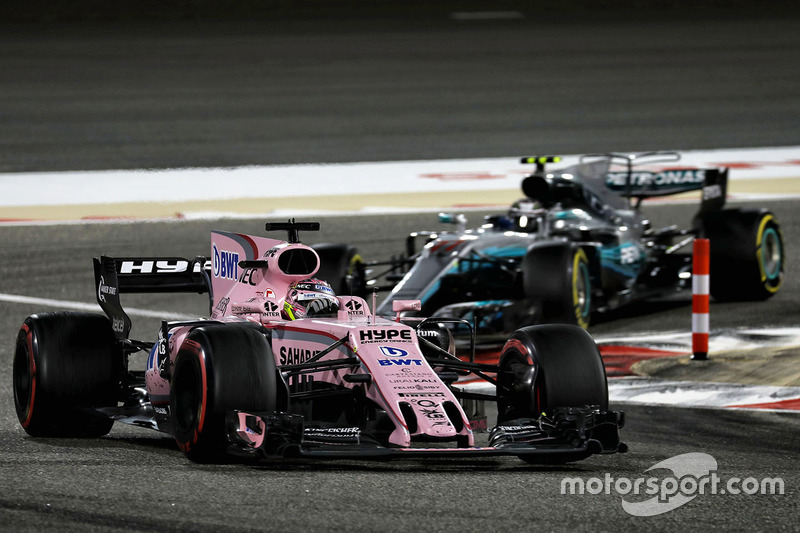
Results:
389 351
383 335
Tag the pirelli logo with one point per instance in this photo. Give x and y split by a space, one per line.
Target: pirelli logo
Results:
421 394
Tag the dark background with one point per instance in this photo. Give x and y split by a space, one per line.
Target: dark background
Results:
595 10
106 85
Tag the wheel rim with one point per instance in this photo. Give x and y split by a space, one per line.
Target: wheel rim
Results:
354 282
581 291
771 254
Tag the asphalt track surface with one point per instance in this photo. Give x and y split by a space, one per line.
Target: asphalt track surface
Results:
90 101
137 480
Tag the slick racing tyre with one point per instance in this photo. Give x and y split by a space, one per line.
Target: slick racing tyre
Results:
747 253
65 364
438 335
219 368
342 268
559 278
547 366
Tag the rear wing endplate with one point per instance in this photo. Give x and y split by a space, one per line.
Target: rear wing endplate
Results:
115 275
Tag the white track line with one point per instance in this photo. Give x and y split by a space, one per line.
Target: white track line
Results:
694 394
81 306
720 340
646 391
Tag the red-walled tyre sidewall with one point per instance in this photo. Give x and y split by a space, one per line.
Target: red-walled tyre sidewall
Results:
218 369
66 364
548 366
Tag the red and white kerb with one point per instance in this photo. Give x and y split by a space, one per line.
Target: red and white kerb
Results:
701 259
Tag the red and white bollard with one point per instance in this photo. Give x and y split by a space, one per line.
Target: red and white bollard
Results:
701 266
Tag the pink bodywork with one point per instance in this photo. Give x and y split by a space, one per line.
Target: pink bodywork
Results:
387 349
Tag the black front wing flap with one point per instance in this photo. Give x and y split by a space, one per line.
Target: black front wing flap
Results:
566 434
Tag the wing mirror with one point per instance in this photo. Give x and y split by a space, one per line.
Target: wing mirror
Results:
456 219
398 306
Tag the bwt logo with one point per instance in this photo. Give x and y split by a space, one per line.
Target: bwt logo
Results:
390 351
400 362
225 264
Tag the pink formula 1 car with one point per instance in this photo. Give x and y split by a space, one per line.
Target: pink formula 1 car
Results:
284 367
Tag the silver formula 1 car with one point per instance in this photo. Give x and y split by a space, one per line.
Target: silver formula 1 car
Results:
282 366
577 244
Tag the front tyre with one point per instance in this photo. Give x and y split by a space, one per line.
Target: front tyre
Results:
219 368
559 278
548 366
66 364
545 369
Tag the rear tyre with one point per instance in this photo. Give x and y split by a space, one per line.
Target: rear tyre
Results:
342 268
559 278
65 364
548 366
747 254
219 368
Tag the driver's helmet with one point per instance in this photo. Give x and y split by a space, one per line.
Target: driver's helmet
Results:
310 297
524 214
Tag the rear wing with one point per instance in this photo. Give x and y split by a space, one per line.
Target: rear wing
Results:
115 275
640 184
643 183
